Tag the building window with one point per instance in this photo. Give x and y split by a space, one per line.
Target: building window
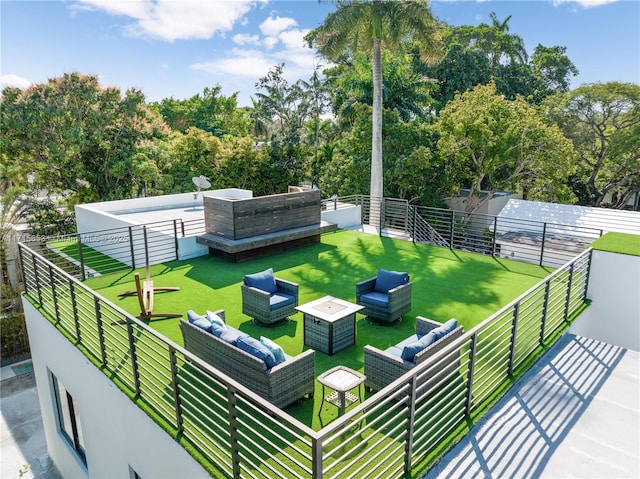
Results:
68 418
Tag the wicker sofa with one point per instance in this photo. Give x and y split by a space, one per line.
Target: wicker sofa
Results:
384 367
281 385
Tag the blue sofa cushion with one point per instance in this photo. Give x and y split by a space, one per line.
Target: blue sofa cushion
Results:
215 319
217 330
275 349
264 281
387 280
231 335
445 329
257 349
380 300
278 300
198 320
410 350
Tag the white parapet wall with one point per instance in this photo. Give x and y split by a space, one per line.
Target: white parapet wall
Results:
343 214
614 288
117 434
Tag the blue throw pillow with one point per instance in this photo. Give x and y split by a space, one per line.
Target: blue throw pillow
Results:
192 316
215 319
275 349
387 280
445 329
264 281
257 349
231 335
200 321
410 350
217 330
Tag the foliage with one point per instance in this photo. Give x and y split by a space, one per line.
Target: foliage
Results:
603 121
364 27
48 219
76 136
210 112
491 143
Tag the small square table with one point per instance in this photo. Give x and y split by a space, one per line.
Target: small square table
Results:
329 324
342 380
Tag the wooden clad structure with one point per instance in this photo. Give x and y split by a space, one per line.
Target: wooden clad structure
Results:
246 228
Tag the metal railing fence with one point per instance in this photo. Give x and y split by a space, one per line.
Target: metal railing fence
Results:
243 436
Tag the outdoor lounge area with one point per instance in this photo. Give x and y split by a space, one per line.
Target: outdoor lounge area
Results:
446 284
500 315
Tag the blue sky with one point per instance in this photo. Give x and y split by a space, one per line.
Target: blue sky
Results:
176 48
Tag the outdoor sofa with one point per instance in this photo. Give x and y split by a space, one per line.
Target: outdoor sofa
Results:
383 367
280 384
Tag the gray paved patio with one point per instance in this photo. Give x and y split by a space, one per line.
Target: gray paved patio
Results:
575 414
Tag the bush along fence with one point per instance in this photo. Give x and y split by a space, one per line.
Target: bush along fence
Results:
233 433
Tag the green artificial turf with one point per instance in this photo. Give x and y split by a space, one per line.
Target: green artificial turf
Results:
622 243
446 284
95 260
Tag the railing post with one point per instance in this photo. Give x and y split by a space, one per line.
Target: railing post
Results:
233 432
36 277
134 356
81 257
103 349
545 308
408 450
544 239
176 388
316 458
451 228
568 296
472 361
495 230
182 228
24 276
175 237
415 220
131 248
54 294
74 309
587 272
514 330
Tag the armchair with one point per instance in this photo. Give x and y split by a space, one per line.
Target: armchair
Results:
385 297
268 299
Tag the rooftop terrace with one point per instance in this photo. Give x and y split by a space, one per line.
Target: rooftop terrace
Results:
446 284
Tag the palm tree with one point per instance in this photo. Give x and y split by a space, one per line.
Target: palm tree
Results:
359 25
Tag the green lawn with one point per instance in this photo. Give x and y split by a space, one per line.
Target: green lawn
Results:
446 284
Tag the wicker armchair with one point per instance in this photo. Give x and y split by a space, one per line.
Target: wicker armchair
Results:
272 305
384 367
384 304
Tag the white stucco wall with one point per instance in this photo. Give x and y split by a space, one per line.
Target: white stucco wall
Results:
614 288
344 216
117 433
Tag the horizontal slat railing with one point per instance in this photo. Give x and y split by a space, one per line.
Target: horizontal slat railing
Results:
242 436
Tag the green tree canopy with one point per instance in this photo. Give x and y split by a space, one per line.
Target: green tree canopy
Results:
77 136
603 121
491 143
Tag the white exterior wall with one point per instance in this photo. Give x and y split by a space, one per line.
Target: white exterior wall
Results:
117 434
614 288
344 217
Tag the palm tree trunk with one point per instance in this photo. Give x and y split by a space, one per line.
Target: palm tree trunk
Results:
376 190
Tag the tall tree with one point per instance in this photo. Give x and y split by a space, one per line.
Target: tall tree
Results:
603 121
491 143
367 26
77 136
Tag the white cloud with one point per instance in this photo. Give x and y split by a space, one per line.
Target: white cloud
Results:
273 26
240 62
172 20
585 3
14 81
246 39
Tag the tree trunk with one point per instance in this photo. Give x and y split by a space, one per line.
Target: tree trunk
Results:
376 189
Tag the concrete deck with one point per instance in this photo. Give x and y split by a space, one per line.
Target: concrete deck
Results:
575 414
